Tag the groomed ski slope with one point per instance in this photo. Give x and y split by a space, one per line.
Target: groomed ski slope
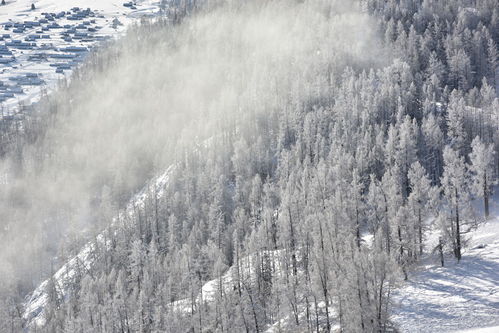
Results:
460 297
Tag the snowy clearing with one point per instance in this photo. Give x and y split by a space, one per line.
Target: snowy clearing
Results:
494 329
458 296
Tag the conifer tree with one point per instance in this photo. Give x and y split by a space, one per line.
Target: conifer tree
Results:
455 182
482 171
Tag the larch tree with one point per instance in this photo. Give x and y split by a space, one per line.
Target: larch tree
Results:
492 60
455 181
455 122
421 198
482 171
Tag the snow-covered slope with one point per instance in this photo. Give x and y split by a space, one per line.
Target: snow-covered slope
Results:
456 297
493 329
34 310
39 47
245 272
461 298
226 283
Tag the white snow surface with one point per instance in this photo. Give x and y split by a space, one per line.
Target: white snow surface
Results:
221 285
216 288
494 329
460 297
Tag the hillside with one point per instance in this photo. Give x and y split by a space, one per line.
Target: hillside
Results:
459 297
249 166
37 302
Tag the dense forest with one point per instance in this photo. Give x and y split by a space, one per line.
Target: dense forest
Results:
310 145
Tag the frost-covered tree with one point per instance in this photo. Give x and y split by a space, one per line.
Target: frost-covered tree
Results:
422 198
482 171
455 122
301 194
455 185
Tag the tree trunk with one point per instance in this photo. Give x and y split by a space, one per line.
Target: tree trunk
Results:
420 233
357 226
292 243
316 315
253 309
387 226
307 312
441 251
485 196
324 278
458 232
401 248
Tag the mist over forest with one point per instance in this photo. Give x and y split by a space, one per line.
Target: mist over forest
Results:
253 166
